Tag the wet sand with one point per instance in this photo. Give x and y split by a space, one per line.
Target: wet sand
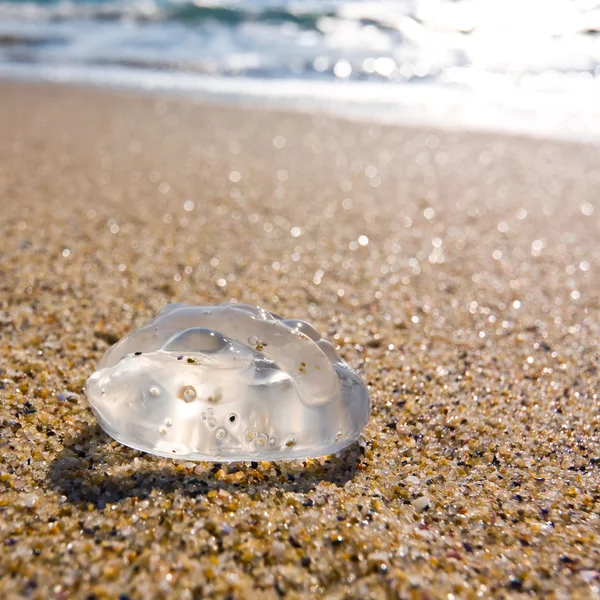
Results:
457 272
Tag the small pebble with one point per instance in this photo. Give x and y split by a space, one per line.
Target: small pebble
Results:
420 504
277 548
29 500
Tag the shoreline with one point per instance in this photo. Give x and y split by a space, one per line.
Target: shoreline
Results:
536 114
456 272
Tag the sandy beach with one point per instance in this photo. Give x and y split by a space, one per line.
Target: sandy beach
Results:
458 273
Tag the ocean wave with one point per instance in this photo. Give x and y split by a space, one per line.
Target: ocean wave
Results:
186 12
562 17
485 48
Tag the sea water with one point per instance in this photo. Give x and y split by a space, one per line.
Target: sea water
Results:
530 66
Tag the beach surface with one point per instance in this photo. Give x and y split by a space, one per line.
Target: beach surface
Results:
458 273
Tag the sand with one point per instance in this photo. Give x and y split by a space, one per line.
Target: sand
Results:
457 272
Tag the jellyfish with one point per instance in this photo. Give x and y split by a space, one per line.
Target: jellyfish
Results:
228 383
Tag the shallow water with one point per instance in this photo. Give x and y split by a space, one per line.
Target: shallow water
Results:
509 62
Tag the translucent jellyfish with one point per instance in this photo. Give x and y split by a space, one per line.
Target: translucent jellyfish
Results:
228 383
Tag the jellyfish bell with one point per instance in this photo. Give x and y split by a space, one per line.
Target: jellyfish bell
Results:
229 383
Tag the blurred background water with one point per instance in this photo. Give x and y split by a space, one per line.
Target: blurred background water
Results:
529 66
